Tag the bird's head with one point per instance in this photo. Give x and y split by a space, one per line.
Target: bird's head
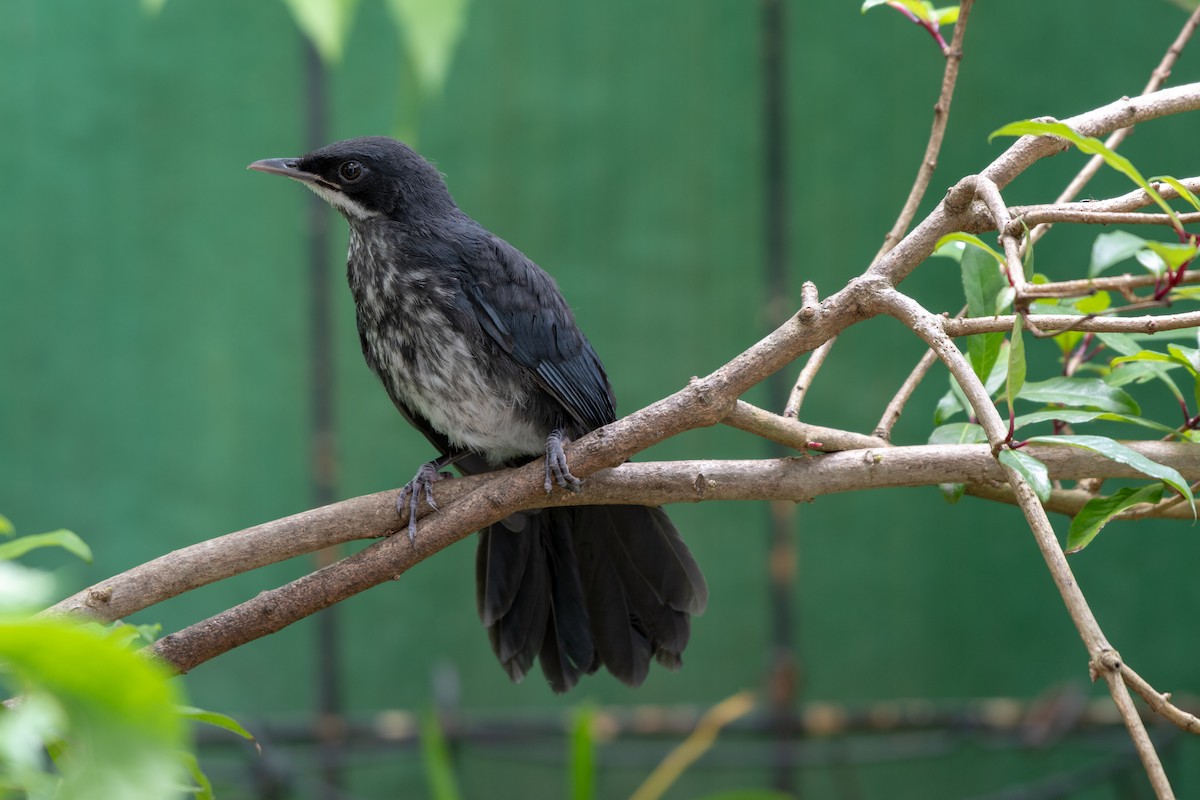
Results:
367 178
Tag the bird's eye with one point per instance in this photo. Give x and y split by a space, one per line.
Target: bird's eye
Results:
350 171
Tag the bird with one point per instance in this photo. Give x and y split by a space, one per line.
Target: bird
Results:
479 351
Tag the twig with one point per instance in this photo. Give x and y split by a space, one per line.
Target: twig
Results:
1107 664
1158 702
806 377
941 116
1062 322
895 407
1157 78
926 326
795 434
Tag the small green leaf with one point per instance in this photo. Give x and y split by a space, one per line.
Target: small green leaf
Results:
958 433
582 769
952 492
326 23
982 283
946 16
217 720
1124 455
60 538
971 239
435 755
1184 192
1112 248
1033 471
1080 393
1091 146
1016 364
6 527
1097 513
431 30
1094 304
203 789
1075 416
1173 254
946 408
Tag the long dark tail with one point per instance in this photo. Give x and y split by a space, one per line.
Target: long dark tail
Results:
584 587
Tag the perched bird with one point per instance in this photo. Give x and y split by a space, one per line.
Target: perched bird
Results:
478 350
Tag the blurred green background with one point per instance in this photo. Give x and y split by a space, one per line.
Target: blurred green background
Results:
154 357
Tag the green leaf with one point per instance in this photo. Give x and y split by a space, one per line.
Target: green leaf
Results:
1075 416
1184 192
203 789
6 527
60 538
982 283
1016 364
968 239
1112 248
946 407
582 770
435 756
117 708
23 588
1080 393
326 23
1033 471
1091 146
431 30
1173 254
952 492
1124 455
946 16
1098 511
958 433
217 720
1094 304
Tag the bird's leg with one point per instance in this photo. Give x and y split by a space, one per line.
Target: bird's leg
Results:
409 497
556 463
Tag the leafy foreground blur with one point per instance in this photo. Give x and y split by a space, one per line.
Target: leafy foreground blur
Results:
90 716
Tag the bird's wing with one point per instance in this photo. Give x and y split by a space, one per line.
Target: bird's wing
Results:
520 308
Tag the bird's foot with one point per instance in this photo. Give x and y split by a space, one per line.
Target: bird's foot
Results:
409 498
557 470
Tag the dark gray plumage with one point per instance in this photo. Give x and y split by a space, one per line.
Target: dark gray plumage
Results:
478 350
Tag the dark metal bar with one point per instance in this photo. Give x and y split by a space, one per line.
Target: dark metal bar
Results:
330 724
783 682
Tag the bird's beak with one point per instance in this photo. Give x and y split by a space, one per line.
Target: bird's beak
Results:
287 167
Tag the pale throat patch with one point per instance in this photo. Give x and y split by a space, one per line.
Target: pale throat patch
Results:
341 202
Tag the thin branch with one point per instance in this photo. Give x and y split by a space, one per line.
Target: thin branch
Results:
1160 703
1053 214
941 117
1061 322
1157 78
895 407
806 377
793 433
926 326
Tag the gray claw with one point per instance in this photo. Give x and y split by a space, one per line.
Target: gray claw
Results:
409 498
557 470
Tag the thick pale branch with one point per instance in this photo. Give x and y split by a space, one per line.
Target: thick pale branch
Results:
654 483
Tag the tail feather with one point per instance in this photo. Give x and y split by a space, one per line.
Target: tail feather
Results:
581 587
